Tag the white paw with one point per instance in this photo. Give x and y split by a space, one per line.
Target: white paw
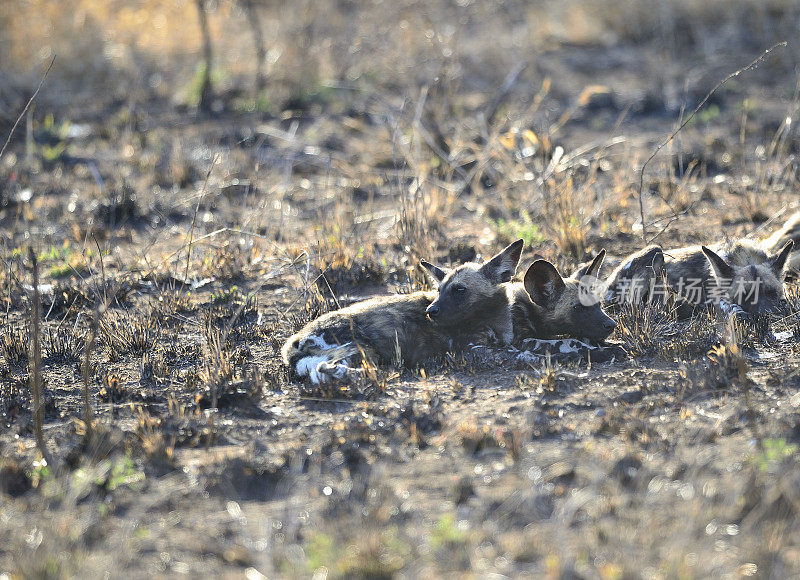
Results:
336 370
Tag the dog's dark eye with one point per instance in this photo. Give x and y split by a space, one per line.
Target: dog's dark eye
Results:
459 289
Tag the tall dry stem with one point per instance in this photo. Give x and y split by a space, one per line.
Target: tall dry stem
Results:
36 357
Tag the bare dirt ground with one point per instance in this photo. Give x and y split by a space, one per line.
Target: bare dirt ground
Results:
191 243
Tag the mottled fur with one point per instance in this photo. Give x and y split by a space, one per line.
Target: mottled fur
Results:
381 329
637 279
547 305
741 276
472 300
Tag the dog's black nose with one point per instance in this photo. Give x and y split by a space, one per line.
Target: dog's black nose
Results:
609 325
432 310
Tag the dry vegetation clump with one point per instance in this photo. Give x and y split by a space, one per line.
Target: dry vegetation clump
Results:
698 335
68 298
726 365
242 388
487 440
179 427
347 272
14 399
63 344
658 329
231 317
174 302
192 210
154 368
630 427
14 342
654 330
226 378
132 333
116 390
645 329
419 226
550 379
228 262
118 208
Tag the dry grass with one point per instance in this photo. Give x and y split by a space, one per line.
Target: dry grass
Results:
381 134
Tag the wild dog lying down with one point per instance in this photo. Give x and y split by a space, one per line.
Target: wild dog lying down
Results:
742 278
547 305
473 299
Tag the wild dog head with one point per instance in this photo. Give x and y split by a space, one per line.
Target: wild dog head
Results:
567 307
756 288
637 279
472 290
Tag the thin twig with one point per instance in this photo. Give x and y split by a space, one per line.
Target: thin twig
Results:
102 269
686 121
505 90
27 105
194 216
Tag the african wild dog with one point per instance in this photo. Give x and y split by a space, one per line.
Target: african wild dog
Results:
742 278
745 276
546 305
472 300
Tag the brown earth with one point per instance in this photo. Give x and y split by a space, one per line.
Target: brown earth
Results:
201 240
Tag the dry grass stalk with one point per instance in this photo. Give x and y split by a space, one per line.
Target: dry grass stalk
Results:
36 357
194 216
205 87
90 340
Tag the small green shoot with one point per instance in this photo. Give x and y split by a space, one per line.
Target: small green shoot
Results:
773 451
520 228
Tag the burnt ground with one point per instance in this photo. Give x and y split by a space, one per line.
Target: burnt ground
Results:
200 241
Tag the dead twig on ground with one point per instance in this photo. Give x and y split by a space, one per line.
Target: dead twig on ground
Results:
194 216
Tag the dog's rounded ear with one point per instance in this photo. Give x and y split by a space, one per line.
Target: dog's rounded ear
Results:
543 282
434 272
722 270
